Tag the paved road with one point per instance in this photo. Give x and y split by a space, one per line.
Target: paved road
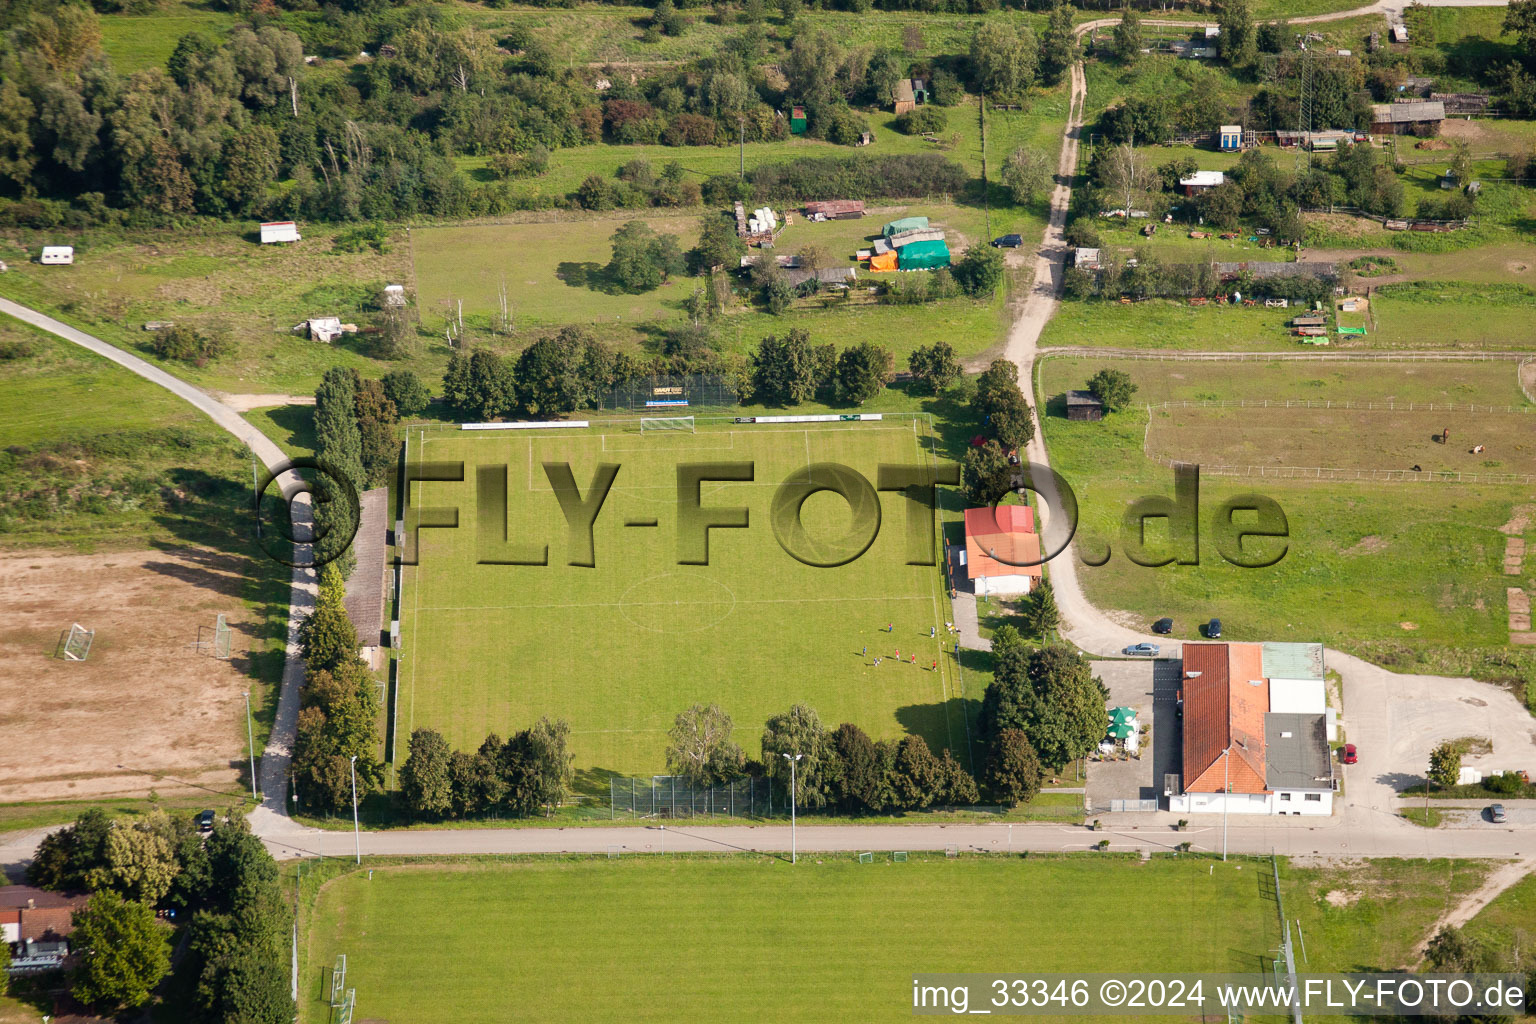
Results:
1365 826
1287 836
268 452
273 773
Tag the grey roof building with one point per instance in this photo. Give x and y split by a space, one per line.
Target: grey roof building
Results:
1296 753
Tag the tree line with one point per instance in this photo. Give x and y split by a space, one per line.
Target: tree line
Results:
339 709
213 131
222 889
527 774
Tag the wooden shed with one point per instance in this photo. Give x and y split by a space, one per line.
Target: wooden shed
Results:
1082 405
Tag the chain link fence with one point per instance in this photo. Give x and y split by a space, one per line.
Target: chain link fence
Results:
671 394
671 796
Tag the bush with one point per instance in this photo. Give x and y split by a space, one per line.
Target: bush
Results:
922 120
980 270
368 236
1081 233
690 130
406 390
187 345
863 176
842 126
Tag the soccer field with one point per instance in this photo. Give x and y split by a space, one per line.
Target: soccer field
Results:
748 938
619 648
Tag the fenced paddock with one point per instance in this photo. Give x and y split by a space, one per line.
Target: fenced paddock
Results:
1380 441
620 647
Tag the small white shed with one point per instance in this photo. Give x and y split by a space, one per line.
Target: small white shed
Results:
279 231
57 255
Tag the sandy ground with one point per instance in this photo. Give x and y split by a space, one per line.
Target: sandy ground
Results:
245 403
146 700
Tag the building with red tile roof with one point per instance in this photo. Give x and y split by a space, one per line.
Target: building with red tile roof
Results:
1002 549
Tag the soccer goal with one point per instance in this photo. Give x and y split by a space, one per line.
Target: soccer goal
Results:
339 980
222 638
77 645
653 424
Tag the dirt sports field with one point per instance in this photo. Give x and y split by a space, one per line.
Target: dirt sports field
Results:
144 699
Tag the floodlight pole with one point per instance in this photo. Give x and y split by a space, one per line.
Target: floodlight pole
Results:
250 743
793 849
357 838
1226 796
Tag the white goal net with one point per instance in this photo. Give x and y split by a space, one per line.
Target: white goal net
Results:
222 636
653 424
77 645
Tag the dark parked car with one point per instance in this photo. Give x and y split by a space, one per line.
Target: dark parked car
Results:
1213 629
205 821
1496 813
1008 242
1164 626
1348 754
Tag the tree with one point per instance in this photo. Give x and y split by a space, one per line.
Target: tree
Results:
406 390
1064 715
339 444
1520 22
1058 45
252 988
1012 771
549 378
1445 765
799 731
986 474
936 365
535 764
1238 40
73 858
1040 617
1114 388
328 638
862 371
1127 177
1000 407
121 953
784 369
861 783
1004 59
642 259
1127 38
718 245
479 386
1027 174
980 271
141 861
701 750
376 420
918 777
17 157
424 781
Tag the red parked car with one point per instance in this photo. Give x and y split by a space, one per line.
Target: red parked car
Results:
1348 755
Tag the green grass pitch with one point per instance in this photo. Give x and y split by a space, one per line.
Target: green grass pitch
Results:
748 938
620 648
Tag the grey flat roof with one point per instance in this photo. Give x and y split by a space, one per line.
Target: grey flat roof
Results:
1296 754
368 585
1293 660
1082 398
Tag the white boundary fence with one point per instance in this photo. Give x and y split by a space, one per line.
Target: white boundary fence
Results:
1321 403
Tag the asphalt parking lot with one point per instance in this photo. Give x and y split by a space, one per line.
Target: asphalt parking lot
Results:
1149 685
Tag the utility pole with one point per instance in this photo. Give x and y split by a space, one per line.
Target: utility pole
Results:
793 849
250 743
357 838
1226 793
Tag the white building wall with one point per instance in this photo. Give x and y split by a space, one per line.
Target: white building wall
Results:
1280 802
1003 586
10 932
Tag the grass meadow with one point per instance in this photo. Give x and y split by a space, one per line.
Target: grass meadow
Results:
748 938
1401 568
620 649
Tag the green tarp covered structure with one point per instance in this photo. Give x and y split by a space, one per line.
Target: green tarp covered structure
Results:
923 256
895 227
1122 723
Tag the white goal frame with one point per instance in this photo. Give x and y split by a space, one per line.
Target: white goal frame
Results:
77 646
652 424
222 638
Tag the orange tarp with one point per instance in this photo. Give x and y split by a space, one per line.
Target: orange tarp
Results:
882 261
